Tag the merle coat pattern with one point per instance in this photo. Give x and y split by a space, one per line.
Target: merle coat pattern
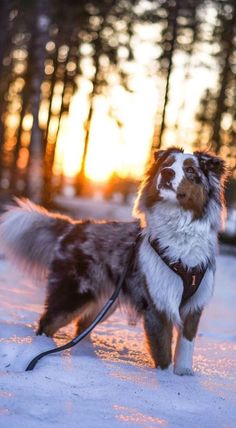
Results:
180 203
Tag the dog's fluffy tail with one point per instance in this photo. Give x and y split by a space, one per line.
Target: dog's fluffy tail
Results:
28 235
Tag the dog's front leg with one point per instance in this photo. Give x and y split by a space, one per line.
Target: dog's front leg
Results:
185 344
158 330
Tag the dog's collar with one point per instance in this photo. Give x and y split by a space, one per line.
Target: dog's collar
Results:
191 277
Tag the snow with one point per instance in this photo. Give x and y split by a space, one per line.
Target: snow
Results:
109 381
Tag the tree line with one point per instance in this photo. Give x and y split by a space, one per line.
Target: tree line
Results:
46 45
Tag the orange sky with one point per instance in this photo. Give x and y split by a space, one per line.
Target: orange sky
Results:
125 149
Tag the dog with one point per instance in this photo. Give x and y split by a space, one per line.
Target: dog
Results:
178 213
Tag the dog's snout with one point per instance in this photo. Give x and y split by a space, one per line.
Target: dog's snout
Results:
167 174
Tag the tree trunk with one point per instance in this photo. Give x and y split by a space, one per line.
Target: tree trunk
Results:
158 140
228 46
5 71
35 166
81 178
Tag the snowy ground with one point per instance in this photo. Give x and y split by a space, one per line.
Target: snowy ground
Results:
110 382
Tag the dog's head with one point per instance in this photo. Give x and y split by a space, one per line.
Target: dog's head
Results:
186 180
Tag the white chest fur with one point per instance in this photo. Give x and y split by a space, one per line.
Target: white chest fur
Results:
193 243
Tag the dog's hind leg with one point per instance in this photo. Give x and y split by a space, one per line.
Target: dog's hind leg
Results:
158 330
86 318
185 344
91 313
63 304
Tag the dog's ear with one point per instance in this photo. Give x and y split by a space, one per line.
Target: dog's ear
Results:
210 163
158 155
162 154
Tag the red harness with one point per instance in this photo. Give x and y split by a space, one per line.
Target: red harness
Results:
191 277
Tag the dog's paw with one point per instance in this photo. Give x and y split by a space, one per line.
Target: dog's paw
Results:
166 369
183 371
39 331
45 328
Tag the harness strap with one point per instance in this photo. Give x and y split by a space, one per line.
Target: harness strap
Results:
191 277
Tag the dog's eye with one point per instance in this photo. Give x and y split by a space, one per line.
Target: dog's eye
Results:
190 170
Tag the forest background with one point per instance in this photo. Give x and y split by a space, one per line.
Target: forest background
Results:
88 89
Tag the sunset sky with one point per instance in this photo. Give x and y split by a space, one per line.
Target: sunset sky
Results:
123 122
124 149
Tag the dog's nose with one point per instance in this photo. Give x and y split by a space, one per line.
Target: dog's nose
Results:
167 174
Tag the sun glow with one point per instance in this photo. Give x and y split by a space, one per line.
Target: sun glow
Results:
119 142
123 123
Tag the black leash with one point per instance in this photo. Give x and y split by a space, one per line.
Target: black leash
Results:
98 318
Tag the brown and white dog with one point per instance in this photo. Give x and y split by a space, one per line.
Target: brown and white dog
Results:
179 210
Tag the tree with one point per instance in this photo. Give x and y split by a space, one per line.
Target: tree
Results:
216 115
104 25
